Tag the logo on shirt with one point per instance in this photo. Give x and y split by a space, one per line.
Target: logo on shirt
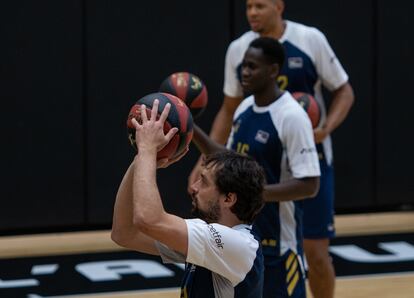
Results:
295 62
307 150
217 237
262 136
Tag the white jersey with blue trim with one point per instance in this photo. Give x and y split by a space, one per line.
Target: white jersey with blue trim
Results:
221 262
310 62
280 138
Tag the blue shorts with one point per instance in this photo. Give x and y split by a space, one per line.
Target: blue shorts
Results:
284 277
318 212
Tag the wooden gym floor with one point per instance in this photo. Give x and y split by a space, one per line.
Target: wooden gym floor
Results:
380 286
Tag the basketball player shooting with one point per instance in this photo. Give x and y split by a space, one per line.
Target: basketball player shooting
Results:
223 258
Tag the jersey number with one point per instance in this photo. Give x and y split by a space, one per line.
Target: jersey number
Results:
242 148
282 81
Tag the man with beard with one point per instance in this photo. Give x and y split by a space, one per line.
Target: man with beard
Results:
223 258
273 128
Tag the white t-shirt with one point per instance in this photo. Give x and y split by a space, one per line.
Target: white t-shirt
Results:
232 257
280 138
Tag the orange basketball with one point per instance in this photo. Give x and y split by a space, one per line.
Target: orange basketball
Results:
189 88
179 116
311 106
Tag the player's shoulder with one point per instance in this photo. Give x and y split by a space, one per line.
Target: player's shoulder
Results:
296 118
246 237
286 103
289 109
243 41
297 31
233 236
244 105
196 221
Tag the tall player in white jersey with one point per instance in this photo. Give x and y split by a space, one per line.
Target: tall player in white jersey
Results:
223 258
310 63
272 127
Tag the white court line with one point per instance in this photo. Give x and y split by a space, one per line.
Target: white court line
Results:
106 294
376 275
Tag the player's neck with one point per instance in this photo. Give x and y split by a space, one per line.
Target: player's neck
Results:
276 31
229 219
267 96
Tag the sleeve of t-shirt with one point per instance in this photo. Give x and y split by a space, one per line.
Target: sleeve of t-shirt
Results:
328 67
223 250
232 85
168 255
300 145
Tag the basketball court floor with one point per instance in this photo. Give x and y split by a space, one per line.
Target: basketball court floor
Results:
373 256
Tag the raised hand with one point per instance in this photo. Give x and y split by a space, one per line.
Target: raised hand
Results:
149 134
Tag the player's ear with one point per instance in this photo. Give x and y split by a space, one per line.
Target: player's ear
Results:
231 199
280 6
274 69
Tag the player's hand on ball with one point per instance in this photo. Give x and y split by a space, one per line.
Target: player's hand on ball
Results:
319 134
149 134
179 116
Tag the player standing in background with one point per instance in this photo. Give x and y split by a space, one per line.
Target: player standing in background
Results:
274 129
310 63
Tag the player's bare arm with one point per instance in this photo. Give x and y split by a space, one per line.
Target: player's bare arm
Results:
149 215
204 143
221 127
293 189
124 233
343 99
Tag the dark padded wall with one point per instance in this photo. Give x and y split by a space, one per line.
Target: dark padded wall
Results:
72 69
394 150
41 161
132 47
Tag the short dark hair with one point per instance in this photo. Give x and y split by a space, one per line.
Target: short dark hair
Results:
272 49
241 175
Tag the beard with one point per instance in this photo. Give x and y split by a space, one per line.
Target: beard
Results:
212 214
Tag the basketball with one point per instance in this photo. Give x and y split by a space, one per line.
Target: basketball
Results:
311 106
189 88
179 116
